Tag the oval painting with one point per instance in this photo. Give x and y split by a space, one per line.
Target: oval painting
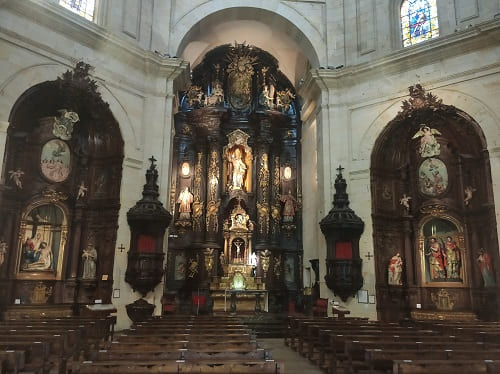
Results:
432 177
55 160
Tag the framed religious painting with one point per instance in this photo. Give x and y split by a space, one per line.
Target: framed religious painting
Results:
43 233
432 177
443 253
55 160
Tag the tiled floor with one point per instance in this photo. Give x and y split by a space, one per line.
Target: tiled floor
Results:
294 363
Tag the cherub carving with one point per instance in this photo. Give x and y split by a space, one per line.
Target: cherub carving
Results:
469 190
16 177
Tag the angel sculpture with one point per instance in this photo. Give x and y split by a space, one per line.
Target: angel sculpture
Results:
428 144
469 190
16 177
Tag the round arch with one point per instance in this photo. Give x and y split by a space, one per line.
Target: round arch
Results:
18 83
191 29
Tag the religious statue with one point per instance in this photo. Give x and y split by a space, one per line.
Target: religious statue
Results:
216 96
16 177
209 259
89 257
453 260
238 170
428 144
185 199
3 251
437 259
395 269
253 259
44 257
405 203
81 190
290 206
265 99
192 267
238 254
486 267
469 190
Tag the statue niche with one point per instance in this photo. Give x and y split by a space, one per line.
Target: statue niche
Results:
238 163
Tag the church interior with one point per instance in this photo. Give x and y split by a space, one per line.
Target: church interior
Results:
181 178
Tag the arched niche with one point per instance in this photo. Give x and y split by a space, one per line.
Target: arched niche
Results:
62 176
432 190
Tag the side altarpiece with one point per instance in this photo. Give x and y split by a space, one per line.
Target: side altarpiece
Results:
236 180
59 198
435 233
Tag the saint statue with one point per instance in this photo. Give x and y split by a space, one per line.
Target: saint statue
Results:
452 258
238 170
185 199
89 257
437 259
290 206
3 251
486 267
395 270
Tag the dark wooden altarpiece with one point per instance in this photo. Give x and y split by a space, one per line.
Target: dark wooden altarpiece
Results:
435 233
236 176
59 198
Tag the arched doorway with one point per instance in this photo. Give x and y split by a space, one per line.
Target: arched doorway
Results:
61 197
433 214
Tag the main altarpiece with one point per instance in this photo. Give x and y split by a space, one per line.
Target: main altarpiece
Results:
236 181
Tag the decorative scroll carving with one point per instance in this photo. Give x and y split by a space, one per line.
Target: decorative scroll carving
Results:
240 72
444 300
419 99
263 218
212 220
209 259
277 266
40 293
53 195
264 177
434 209
197 178
265 256
213 174
197 215
63 124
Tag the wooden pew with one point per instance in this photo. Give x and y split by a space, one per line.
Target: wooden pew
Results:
445 367
383 359
12 361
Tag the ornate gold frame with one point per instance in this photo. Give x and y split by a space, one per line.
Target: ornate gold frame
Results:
461 244
42 275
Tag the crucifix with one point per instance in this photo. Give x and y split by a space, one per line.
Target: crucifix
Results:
152 159
339 169
369 256
121 247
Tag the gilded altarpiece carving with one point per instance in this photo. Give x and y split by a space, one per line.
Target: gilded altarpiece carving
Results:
242 120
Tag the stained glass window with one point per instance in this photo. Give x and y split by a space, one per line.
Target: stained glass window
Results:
419 21
84 8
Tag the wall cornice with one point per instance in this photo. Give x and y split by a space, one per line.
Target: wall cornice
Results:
433 51
90 35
